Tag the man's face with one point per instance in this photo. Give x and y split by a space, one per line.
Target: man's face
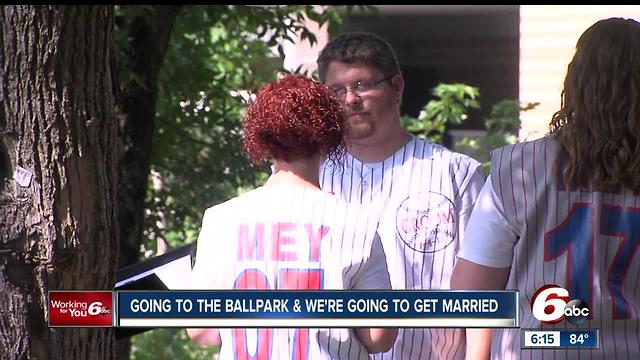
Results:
371 107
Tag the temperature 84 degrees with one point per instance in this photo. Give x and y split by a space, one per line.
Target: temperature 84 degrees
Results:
578 338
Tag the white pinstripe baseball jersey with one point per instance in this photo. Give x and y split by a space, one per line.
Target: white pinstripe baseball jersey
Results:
584 241
288 238
424 193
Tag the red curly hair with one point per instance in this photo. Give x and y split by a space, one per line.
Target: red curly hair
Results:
294 118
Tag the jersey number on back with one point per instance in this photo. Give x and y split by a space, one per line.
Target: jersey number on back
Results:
288 279
576 236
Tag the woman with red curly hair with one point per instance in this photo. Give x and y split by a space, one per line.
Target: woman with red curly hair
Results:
254 240
293 120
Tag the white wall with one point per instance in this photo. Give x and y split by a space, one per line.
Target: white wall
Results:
302 53
548 36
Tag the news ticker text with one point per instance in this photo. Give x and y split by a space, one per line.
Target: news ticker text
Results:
279 308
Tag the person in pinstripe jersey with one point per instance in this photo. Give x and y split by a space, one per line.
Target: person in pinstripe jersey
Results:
565 209
288 234
423 192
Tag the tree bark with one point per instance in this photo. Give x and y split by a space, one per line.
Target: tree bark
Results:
58 172
136 102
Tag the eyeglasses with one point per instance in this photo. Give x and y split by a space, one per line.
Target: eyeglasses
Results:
359 87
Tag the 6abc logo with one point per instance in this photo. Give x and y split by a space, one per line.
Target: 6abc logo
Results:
550 304
96 308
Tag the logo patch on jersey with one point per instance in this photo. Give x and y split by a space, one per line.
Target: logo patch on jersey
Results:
426 221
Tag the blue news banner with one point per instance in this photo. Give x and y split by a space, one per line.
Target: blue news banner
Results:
327 308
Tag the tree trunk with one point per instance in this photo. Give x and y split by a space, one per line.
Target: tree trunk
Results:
149 39
58 172
137 112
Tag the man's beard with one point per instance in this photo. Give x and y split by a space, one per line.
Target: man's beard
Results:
359 130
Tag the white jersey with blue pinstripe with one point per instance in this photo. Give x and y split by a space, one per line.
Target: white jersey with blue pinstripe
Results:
424 194
289 238
584 241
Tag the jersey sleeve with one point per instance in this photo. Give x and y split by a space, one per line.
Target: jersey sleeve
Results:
203 275
374 273
490 238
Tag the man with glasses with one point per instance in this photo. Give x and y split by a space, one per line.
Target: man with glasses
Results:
424 192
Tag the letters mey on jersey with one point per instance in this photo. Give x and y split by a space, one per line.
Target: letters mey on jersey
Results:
286 239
